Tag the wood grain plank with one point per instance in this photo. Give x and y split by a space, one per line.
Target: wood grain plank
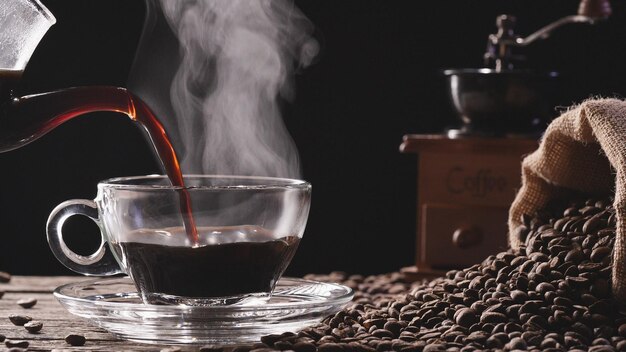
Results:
38 283
103 346
47 306
58 322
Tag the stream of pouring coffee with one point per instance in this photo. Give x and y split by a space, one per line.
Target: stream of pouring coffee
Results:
142 114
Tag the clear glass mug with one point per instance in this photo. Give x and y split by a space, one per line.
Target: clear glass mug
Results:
248 230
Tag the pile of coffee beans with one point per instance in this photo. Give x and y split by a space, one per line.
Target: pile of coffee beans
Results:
371 289
554 294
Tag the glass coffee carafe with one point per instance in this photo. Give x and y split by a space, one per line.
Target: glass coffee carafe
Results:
23 23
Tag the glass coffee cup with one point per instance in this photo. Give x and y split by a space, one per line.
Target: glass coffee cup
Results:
248 229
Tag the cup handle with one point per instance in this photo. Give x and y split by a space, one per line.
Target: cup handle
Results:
101 262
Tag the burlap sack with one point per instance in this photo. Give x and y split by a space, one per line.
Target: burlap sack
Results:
583 150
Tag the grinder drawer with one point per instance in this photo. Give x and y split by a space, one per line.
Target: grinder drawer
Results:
456 236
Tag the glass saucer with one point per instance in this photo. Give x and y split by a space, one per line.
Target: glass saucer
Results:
113 304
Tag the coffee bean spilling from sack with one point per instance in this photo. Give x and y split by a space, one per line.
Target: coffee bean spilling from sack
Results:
552 295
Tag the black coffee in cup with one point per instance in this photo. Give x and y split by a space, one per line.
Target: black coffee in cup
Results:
246 265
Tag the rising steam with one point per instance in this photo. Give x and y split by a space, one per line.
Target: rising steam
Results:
234 63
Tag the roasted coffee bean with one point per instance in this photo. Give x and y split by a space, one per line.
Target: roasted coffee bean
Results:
269 340
394 327
493 317
33 326
494 343
328 339
530 307
516 343
27 302
75 339
19 320
577 282
532 338
330 347
519 296
280 345
381 333
477 336
4 277
574 256
543 269
479 306
378 322
590 266
592 225
435 347
598 254
601 348
537 321
16 343
544 287
466 317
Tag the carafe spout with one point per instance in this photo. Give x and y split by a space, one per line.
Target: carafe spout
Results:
24 119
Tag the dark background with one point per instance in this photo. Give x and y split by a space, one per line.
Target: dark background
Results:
376 79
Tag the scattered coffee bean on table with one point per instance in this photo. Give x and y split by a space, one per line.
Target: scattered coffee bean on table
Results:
16 343
75 339
27 302
553 294
4 277
33 326
19 320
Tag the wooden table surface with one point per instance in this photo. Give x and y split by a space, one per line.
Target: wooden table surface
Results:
57 322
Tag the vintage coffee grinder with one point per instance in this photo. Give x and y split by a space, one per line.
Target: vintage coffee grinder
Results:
468 176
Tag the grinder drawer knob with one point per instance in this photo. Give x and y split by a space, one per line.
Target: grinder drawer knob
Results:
465 237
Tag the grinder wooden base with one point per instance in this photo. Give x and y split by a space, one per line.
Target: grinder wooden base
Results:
464 189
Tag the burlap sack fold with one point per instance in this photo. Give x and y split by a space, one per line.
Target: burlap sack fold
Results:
583 150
